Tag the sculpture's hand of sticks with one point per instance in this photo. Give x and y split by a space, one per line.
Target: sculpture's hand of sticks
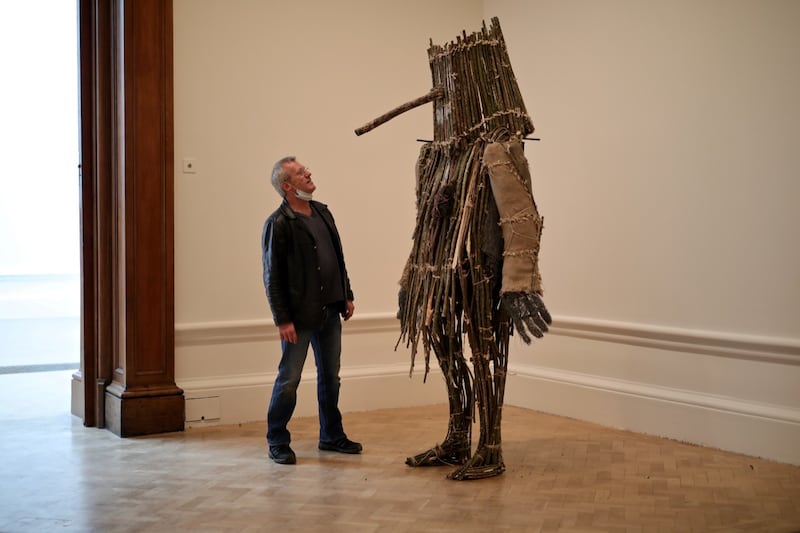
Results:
527 311
521 289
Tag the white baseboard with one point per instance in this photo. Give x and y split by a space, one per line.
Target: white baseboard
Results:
369 380
729 422
760 430
740 424
238 399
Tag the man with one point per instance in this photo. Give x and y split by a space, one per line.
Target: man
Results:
308 289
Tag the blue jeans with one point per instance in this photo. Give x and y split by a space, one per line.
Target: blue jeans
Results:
327 345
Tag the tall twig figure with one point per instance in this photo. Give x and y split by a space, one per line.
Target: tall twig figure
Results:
473 268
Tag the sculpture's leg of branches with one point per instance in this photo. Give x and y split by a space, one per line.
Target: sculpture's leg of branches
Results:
489 362
456 447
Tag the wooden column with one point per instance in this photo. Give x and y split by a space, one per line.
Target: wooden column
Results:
128 362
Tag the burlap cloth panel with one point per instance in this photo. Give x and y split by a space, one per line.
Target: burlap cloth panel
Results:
519 219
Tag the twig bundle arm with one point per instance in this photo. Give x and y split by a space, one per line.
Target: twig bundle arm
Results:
473 267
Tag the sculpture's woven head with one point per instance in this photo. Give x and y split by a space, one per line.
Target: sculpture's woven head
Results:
475 93
479 90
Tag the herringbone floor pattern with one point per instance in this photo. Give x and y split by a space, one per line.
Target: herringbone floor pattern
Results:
562 475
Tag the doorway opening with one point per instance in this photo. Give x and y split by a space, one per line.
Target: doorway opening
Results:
39 208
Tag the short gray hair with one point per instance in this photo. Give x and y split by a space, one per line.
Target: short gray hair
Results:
279 174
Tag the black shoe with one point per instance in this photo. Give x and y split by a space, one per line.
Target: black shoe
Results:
343 445
282 454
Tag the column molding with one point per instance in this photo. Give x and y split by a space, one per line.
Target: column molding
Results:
128 348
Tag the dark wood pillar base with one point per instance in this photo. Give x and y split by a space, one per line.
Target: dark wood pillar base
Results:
150 412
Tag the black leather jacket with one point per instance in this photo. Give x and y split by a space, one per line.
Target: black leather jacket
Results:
291 267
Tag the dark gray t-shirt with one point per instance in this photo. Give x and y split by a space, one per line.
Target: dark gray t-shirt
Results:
332 290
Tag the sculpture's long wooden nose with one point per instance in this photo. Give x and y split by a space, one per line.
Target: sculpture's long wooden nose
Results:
436 92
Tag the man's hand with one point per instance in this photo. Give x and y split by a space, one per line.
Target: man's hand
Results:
527 311
287 332
349 311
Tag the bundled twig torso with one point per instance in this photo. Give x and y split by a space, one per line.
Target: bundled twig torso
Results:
453 269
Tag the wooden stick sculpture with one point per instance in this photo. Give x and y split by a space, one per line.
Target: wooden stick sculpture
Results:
473 268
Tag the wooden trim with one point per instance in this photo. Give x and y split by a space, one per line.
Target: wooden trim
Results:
127 217
98 154
87 231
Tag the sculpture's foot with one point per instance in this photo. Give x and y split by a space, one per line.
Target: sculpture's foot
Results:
448 453
487 462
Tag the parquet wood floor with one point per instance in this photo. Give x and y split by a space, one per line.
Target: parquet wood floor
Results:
562 475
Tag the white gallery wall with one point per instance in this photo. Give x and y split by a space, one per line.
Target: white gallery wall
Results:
667 176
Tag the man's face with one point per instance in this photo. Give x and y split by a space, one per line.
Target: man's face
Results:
299 178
